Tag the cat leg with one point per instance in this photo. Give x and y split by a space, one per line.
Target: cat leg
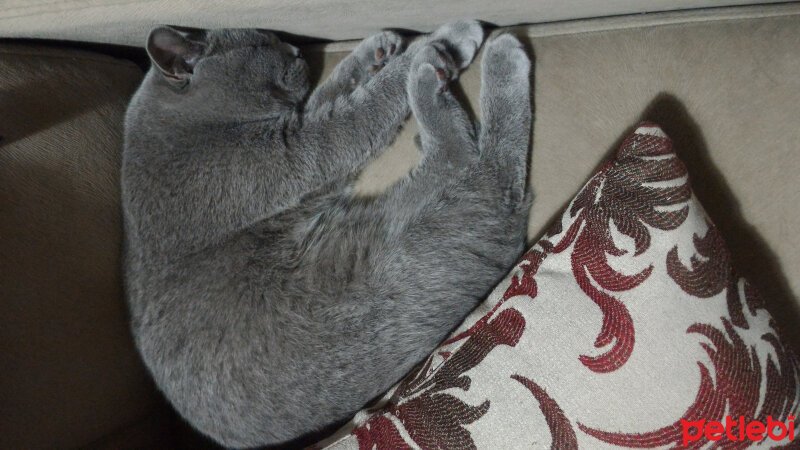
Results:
337 143
467 201
445 237
446 228
375 52
369 56
506 115
447 137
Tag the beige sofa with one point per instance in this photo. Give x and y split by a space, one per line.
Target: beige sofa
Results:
723 82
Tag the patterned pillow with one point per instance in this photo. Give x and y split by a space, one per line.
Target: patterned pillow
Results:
624 326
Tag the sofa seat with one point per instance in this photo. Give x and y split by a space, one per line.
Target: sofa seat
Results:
68 370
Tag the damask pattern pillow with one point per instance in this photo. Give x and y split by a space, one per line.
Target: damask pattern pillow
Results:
625 326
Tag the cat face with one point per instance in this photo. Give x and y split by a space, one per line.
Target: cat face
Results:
229 73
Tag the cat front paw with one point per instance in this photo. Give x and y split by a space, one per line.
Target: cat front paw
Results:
374 52
462 38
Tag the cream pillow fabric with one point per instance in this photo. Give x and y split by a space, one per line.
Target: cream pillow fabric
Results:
624 326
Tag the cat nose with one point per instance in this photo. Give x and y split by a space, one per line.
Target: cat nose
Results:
290 49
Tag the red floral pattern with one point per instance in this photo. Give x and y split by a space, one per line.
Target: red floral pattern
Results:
734 390
618 247
432 417
560 428
711 275
619 194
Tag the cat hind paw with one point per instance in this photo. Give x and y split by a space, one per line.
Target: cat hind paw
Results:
432 69
505 61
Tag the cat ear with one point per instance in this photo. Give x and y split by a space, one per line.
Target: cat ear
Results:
173 54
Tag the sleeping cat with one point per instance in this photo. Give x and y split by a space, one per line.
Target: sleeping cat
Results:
266 299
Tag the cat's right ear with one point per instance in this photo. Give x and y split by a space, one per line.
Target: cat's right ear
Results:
173 53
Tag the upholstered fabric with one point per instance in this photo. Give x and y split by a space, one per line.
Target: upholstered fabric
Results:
68 370
625 326
127 22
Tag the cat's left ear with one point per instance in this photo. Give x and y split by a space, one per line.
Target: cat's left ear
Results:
173 53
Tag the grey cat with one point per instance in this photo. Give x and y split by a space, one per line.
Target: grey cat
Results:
266 299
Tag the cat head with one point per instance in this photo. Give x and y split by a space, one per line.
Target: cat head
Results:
229 73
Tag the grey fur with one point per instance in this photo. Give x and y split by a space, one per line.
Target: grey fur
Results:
265 299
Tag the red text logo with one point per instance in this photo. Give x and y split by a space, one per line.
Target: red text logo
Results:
737 430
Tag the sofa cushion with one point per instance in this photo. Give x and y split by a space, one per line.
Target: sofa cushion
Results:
624 326
68 370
